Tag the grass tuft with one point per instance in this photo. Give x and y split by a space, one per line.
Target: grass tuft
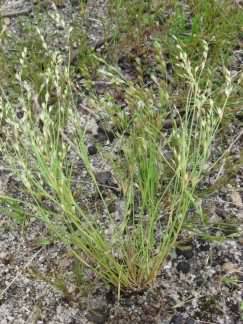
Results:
159 174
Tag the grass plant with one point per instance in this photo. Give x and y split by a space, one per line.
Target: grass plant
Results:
158 191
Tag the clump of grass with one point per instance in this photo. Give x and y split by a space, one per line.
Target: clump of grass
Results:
217 22
158 191
130 24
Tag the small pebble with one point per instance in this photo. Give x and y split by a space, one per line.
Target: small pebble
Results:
183 266
92 149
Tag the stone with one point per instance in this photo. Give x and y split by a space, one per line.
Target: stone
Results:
92 149
183 266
